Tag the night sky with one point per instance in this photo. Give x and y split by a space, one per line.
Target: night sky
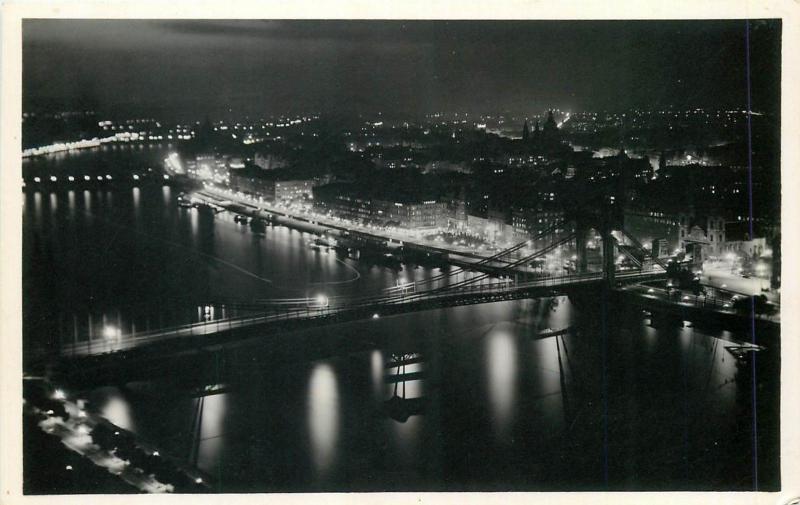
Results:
190 69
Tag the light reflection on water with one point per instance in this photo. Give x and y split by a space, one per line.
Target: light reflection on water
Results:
405 389
376 368
323 417
501 365
649 335
546 388
37 206
194 219
686 333
71 203
213 412
560 316
117 410
136 197
87 198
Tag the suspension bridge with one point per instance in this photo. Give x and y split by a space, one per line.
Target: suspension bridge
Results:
506 275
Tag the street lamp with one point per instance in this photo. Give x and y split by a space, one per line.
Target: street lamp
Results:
110 332
321 300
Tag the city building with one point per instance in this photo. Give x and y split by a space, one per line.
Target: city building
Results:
253 182
528 222
383 207
273 186
739 241
208 167
490 229
286 190
268 161
444 166
456 212
660 248
342 200
670 232
704 235
411 215
653 226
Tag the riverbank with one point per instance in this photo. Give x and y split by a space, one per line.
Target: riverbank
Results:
81 451
350 235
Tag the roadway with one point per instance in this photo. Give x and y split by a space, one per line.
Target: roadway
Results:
318 223
721 305
721 276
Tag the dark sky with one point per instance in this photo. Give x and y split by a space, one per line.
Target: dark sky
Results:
193 68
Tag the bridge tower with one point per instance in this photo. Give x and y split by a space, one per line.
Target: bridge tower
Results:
581 235
606 218
609 255
611 217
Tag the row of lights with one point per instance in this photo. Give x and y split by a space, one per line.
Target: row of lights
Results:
71 178
60 395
